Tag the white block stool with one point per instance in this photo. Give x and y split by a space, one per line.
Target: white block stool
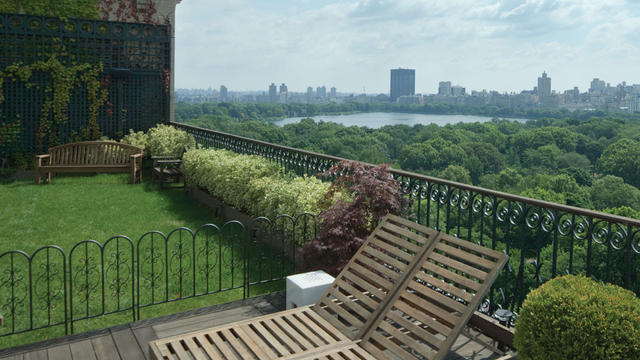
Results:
306 289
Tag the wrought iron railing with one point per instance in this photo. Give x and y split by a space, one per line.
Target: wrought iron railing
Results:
55 288
543 239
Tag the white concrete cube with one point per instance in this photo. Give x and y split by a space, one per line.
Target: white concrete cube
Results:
306 289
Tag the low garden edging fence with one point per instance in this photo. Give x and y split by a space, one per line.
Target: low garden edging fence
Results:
56 288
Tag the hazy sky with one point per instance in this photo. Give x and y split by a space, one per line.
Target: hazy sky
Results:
352 44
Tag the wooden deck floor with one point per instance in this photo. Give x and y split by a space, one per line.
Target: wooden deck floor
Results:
129 342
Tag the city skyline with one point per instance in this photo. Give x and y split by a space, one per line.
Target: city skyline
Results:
501 45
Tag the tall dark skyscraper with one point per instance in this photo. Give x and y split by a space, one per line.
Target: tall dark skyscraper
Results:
403 82
223 92
273 93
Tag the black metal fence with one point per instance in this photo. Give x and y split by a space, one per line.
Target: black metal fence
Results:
52 287
543 239
136 60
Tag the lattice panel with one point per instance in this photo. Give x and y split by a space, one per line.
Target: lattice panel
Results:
136 59
28 39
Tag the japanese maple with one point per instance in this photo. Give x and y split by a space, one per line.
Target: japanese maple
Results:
346 224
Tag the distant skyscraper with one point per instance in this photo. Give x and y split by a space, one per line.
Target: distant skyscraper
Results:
321 91
284 93
273 93
334 92
544 86
597 85
403 82
444 88
309 94
458 91
223 92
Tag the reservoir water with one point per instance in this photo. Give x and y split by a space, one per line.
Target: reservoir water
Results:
379 119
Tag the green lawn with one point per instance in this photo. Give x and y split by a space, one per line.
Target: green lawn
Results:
75 208
97 207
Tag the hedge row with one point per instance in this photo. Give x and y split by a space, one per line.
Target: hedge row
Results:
252 184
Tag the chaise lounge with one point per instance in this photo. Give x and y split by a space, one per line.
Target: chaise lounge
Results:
406 294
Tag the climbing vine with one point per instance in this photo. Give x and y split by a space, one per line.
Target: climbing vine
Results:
129 11
85 9
58 93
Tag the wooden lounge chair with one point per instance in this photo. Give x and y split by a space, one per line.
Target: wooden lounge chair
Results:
407 293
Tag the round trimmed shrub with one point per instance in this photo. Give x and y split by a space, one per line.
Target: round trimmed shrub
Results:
165 140
574 317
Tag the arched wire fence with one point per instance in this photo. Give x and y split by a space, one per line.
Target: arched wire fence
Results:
543 239
56 288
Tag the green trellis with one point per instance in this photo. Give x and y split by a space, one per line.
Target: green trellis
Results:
135 60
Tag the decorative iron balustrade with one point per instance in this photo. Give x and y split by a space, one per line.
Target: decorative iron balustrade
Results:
543 239
55 288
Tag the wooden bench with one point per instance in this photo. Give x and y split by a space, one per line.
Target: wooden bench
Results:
90 156
406 294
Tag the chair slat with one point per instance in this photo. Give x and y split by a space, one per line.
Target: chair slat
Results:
255 344
466 256
449 275
457 265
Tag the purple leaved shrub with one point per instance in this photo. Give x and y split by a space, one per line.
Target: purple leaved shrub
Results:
372 194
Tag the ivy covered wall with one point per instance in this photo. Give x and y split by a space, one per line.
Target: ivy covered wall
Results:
64 79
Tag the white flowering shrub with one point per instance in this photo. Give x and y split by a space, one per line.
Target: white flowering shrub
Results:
138 139
165 140
252 183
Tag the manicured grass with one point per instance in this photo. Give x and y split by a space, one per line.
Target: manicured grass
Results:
76 208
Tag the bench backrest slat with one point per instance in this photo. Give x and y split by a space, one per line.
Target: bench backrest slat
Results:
92 153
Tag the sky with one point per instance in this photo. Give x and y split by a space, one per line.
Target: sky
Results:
501 45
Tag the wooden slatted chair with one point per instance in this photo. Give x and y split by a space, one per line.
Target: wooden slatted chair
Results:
433 305
407 293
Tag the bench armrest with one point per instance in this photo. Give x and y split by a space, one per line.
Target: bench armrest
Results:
40 158
135 156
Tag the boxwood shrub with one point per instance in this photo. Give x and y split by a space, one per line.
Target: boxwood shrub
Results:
252 183
574 317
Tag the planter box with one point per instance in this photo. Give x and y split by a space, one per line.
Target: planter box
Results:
219 207
229 213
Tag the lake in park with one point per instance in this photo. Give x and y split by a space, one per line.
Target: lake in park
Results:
379 119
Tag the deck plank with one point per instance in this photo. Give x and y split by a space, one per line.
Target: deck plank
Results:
143 336
127 346
14 357
206 321
62 352
36 355
105 348
82 350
